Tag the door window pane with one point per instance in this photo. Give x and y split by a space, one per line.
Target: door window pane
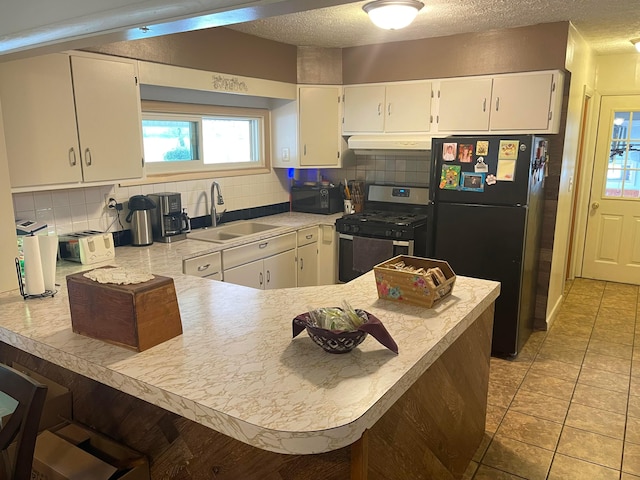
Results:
623 172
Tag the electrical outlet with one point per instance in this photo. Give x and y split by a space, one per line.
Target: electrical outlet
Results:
110 202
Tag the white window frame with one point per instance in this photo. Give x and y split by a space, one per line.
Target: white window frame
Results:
192 112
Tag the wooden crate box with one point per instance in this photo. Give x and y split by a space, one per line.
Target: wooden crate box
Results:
412 287
137 316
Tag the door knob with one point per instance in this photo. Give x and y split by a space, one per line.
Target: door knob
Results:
595 205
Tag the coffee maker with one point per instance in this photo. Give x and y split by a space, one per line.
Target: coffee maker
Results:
168 221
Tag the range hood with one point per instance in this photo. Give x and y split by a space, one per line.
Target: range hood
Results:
391 142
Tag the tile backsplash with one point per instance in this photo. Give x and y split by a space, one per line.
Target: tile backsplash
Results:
84 208
410 170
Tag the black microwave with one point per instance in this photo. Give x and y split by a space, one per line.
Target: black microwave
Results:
316 199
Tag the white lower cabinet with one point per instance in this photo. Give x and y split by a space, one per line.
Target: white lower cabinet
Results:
327 255
308 257
267 264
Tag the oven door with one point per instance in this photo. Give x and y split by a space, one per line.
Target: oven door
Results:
346 272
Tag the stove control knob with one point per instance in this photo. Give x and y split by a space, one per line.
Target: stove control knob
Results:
388 233
355 228
398 234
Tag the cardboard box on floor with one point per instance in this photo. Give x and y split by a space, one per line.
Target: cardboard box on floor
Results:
57 404
74 452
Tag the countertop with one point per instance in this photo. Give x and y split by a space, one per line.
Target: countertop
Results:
236 368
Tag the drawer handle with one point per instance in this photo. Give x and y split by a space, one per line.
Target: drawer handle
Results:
261 278
87 157
309 237
302 264
497 104
379 109
484 105
268 276
263 245
202 268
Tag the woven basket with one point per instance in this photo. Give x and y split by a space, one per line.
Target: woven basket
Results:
410 287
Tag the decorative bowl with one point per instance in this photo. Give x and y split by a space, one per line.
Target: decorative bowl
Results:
332 341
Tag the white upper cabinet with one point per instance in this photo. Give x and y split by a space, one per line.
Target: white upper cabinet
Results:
109 118
364 109
464 104
526 102
40 121
319 122
389 108
522 102
306 133
70 119
408 108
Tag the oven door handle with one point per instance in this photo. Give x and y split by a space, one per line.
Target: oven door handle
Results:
396 243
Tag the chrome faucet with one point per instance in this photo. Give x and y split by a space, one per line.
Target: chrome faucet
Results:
215 217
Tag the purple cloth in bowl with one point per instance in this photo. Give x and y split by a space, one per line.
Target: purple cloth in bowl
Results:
341 341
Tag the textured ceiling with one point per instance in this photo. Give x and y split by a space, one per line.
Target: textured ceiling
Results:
607 25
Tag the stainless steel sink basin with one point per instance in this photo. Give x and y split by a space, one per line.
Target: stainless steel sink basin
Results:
226 233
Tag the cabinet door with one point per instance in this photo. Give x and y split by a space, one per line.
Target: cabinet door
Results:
319 123
249 275
280 270
109 119
327 255
363 109
408 108
464 105
40 121
308 265
521 102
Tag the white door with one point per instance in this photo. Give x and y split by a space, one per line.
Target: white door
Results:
280 270
109 122
408 107
464 105
319 125
249 275
521 102
363 109
612 245
308 265
40 121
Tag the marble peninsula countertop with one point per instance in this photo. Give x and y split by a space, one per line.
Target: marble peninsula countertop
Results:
236 368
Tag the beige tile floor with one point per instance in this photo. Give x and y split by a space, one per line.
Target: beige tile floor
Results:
568 407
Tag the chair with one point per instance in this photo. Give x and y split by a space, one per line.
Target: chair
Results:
22 426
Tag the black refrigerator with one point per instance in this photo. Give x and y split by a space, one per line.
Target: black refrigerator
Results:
488 195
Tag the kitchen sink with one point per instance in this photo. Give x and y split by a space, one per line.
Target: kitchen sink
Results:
226 233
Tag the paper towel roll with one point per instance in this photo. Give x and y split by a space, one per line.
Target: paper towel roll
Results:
49 253
33 276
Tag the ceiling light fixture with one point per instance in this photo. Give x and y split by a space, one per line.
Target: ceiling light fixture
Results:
392 14
636 43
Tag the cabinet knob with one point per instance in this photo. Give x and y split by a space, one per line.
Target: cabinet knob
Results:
497 104
379 109
484 105
389 109
302 264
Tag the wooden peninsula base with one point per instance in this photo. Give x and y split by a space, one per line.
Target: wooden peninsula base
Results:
431 432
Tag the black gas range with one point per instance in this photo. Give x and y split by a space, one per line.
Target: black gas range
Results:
394 221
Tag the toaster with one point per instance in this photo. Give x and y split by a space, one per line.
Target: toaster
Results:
87 247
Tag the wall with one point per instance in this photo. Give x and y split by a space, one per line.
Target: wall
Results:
77 209
537 47
580 61
8 245
215 49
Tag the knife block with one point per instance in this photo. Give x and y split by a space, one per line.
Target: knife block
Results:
137 316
